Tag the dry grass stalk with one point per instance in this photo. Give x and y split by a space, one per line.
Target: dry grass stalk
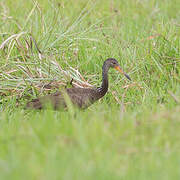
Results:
37 71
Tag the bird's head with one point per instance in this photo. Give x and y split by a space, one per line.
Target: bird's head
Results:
113 63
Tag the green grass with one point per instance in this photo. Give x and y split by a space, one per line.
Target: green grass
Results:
133 132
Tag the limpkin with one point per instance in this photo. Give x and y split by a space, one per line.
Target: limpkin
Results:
80 97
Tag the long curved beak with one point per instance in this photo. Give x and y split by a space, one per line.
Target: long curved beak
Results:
118 68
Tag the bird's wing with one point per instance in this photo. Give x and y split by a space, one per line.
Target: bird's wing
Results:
81 97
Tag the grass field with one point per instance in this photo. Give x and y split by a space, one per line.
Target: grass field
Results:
133 132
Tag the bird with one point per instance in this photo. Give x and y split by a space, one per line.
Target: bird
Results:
80 97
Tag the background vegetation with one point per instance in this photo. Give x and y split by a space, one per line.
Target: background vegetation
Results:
133 132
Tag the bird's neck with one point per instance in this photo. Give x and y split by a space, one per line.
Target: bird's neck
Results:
104 86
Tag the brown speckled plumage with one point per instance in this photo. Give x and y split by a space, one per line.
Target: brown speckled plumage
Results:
80 97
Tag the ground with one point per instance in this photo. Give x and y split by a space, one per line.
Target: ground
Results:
133 132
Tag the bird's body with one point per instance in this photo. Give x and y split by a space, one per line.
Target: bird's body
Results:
80 97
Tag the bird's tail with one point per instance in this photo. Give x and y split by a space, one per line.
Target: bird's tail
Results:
34 104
